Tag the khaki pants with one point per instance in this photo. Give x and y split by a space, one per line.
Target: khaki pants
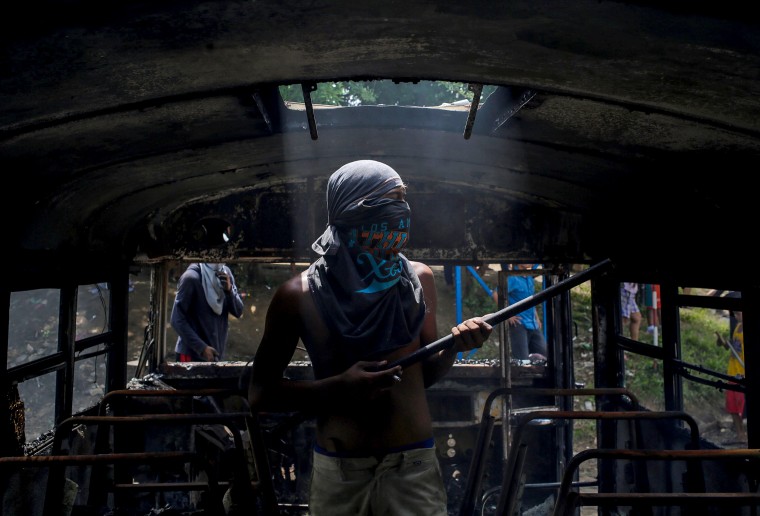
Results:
406 483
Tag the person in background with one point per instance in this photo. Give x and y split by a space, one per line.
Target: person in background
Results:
731 315
526 336
629 310
360 306
652 292
735 401
206 296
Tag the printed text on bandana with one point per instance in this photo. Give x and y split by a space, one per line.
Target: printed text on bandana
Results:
380 247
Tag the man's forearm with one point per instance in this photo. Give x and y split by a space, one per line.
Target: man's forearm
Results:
437 365
284 395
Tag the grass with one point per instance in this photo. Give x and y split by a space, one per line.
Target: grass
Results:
644 375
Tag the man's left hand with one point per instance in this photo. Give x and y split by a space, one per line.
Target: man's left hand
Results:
224 278
471 333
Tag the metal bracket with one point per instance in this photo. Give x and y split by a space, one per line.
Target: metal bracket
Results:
307 88
477 89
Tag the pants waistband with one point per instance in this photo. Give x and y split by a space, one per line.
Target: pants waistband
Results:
425 443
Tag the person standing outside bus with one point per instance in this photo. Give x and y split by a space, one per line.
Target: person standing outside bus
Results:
206 296
735 400
653 305
526 336
629 309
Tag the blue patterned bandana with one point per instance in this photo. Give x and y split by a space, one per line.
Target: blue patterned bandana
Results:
366 290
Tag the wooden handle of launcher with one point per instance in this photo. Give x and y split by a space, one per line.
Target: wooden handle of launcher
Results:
504 314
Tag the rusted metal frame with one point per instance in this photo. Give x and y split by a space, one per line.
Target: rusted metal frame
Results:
53 494
102 435
35 368
55 476
260 459
127 393
477 462
558 323
5 310
648 350
731 383
167 486
477 90
517 487
511 474
151 334
213 418
751 325
485 433
53 362
564 506
261 464
671 345
92 341
160 301
505 351
713 302
109 458
118 316
694 500
67 331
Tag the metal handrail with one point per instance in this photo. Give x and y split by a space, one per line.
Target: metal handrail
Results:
477 463
566 502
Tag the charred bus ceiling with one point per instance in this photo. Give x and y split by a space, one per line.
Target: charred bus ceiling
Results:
124 125
620 131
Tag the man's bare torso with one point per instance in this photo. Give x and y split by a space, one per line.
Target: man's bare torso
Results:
396 418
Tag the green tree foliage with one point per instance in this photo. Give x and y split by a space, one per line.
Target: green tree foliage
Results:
358 93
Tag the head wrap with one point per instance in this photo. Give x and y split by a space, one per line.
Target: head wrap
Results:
212 286
366 290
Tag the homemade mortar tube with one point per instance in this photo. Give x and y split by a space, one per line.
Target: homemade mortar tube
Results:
505 313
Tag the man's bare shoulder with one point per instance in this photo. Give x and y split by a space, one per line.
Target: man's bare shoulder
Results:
421 269
290 294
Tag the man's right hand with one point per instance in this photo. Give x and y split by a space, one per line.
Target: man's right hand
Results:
210 354
366 380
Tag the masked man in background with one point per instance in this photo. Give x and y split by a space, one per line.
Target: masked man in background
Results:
206 295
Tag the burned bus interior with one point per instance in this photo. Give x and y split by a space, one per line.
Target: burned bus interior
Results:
603 142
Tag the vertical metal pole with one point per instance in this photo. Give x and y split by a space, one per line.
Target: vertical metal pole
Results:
458 283
64 391
671 334
160 288
117 321
751 324
5 316
506 363
655 318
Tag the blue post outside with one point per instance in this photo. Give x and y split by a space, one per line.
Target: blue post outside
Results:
458 282
483 284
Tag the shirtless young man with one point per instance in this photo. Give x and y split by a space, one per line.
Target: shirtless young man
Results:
357 308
